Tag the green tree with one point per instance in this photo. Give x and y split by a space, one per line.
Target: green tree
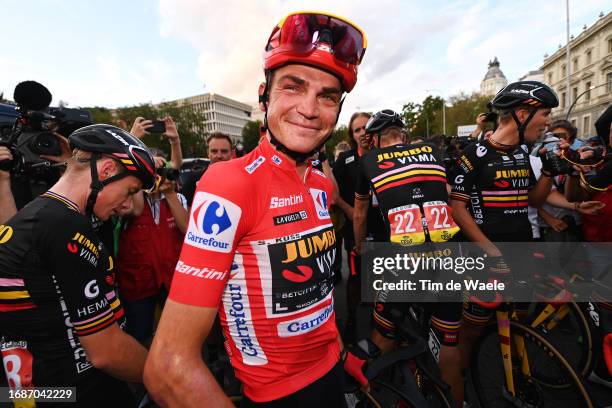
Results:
427 117
251 135
339 134
189 122
100 114
463 110
431 115
411 113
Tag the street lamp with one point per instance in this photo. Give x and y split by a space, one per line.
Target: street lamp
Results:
579 96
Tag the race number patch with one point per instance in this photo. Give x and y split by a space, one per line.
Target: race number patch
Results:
439 220
406 225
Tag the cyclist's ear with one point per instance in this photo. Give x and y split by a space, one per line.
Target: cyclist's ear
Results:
262 97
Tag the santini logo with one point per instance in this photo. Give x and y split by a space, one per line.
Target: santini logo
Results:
280 202
213 223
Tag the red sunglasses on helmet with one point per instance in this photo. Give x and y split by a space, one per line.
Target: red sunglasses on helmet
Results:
302 32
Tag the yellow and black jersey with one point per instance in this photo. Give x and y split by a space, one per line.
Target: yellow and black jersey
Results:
496 184
56 285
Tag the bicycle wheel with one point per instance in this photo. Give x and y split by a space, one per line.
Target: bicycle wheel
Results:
387 395
488 377
571 335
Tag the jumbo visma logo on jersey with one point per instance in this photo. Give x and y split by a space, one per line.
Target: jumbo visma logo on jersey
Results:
213 223
301 269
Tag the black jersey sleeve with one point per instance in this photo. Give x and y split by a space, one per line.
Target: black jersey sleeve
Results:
362 187
78 265
465 172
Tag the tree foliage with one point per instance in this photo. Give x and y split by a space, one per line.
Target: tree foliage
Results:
251 135
189 122
427 117
340 133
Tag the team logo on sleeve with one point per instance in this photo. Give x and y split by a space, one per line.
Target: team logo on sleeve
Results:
213 223
321 204
481 151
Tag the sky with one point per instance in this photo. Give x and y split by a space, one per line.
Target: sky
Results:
121 53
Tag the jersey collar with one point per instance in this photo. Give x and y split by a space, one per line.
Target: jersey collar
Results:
62 199
276 158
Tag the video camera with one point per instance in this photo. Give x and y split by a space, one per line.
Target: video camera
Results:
34 122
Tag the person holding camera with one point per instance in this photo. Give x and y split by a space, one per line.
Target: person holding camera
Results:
168 129
559 219
8 208
218 149
18 190
150 242
61 318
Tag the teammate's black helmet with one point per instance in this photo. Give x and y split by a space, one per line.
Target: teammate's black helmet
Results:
531 93
383 120
127 149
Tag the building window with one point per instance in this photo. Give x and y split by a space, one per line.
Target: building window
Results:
609 45
586 125
573 122
574 93
587 95
609 81
589 56
550 78
563 99
563 71
575 64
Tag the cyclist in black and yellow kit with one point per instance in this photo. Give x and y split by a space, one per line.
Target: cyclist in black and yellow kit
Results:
409 181
494 179
60 316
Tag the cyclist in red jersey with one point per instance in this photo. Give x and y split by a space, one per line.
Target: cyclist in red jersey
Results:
260 245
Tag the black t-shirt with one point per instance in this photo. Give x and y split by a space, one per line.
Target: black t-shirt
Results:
496 184
56 285
346 170
409 182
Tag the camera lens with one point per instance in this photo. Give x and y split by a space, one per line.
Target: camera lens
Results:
45 143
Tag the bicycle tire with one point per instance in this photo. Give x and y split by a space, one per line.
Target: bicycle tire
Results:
388 395
573 338
488 378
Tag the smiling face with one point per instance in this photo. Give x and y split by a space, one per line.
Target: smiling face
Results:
303 106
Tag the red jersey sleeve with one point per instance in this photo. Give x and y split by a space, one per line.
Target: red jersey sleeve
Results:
217 221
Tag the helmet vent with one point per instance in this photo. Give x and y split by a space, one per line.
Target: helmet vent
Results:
92 138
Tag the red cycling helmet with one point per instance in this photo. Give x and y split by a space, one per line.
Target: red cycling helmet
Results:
323 40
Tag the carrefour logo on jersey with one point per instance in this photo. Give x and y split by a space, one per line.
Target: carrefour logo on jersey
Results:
213 223
305 324
320 201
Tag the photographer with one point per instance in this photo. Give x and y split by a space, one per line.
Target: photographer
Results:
7 201
481 123
142 126
18 190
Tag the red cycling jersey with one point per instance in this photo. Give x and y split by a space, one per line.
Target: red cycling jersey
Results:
260 246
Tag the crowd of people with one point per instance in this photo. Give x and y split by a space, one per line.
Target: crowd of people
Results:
124 272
